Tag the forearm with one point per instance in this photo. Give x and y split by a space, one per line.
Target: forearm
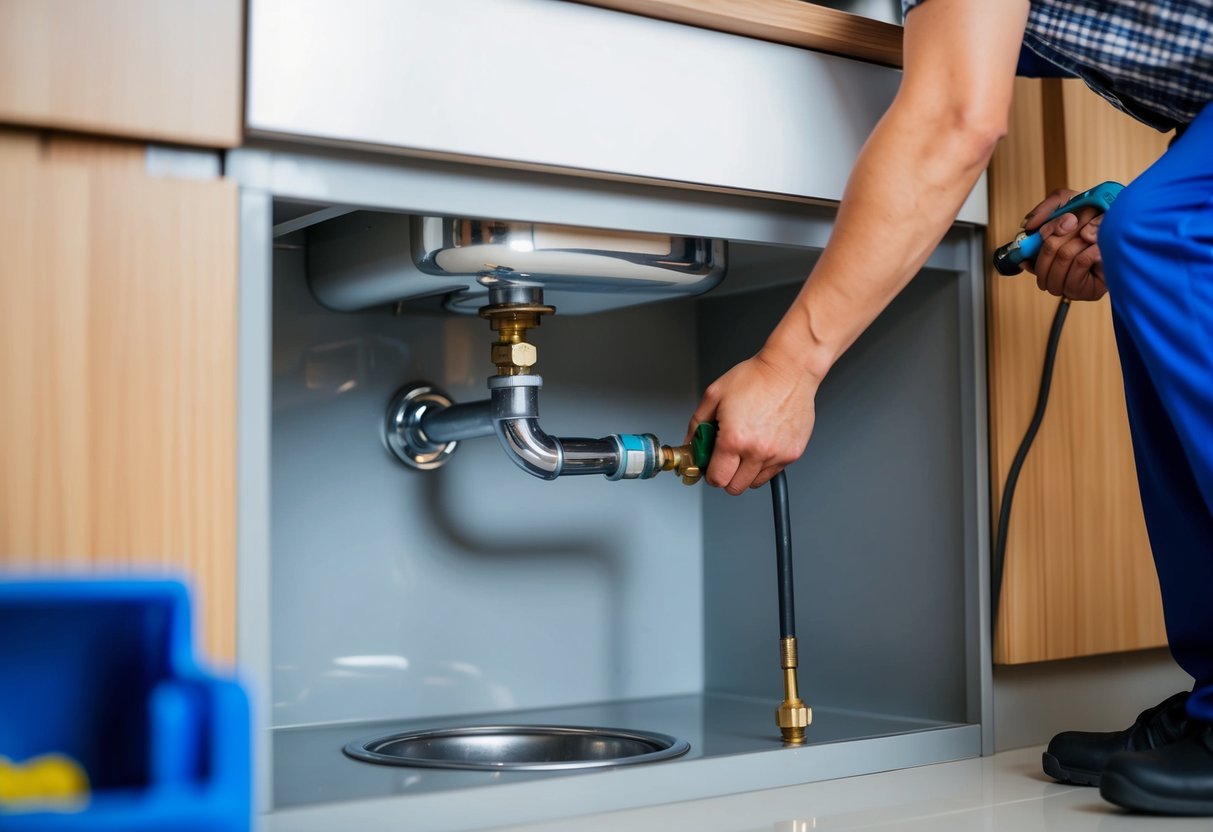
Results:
908 184
911 177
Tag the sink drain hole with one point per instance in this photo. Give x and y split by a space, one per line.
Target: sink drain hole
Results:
517 747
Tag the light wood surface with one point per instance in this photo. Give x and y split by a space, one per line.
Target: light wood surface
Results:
1079 578
118 155
168 70
791 22
117 360
19 146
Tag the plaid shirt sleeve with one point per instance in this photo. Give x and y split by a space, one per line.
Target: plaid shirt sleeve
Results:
1154 60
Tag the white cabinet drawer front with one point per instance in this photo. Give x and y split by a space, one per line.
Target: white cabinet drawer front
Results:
554 84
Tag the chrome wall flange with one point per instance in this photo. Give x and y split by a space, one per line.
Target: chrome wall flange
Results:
402 431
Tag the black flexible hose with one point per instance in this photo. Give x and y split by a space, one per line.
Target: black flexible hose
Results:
1008 491
783 555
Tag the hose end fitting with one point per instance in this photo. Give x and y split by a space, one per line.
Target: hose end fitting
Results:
793 715
681 460
1009 259
690 461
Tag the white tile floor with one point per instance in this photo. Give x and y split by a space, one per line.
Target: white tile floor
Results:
1005 792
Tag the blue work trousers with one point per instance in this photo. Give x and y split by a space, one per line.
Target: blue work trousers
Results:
1157 248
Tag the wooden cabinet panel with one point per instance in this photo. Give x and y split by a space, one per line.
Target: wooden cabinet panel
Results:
117 360
1079 579
793 22
168 70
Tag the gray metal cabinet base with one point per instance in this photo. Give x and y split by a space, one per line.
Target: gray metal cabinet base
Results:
733 749
361 584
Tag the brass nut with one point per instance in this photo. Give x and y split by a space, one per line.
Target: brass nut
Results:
519 355
793 715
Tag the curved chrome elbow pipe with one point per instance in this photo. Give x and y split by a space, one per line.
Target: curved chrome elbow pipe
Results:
515 415
530 448
424 427
515 409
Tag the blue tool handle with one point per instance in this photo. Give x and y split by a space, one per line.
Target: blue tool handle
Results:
1029 247
1010 259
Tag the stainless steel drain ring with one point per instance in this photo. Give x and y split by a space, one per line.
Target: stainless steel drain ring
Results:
517 748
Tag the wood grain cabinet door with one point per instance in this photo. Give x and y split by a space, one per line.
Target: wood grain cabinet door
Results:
1079 579
168 70
117 371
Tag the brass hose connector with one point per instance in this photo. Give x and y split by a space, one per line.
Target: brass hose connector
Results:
793 715
512 354
681 460
691 460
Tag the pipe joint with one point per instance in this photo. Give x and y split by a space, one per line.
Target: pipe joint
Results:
639 456
530 448
423 424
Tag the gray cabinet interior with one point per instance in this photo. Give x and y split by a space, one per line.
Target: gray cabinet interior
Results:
392 598
878 533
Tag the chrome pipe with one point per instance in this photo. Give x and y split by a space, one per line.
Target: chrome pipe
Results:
530 448
503 292
591 456
516 415
515 411
458 422
423 427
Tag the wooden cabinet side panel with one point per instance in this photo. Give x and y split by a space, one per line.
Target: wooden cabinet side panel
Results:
117 354
1079 579
170 70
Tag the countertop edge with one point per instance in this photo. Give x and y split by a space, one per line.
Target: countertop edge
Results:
790 22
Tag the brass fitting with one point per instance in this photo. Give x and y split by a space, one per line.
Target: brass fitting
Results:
512 353
793 715
681 460
516 356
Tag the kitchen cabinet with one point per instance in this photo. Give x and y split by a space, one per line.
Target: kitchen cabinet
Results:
117 355
372 593
1079 579
165 70
376 598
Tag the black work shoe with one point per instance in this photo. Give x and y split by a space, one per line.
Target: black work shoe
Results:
1176 779
1079 757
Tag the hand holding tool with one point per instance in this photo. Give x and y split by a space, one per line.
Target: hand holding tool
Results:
1012 258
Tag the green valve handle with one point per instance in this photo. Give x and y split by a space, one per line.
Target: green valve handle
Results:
702 444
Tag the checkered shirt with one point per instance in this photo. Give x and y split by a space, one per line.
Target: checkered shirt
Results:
1154 60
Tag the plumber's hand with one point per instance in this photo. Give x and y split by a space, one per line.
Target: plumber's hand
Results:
764 409
1069 264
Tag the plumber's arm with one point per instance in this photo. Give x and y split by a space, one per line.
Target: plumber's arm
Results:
909 182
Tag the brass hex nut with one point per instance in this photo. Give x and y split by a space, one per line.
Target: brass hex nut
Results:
793 715
519 355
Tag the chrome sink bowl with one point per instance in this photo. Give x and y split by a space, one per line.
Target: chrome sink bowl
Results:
369 258
517 748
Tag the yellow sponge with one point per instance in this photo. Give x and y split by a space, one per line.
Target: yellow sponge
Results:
51 780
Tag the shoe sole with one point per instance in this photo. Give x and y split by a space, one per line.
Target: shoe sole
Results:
1074 776
1128 795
